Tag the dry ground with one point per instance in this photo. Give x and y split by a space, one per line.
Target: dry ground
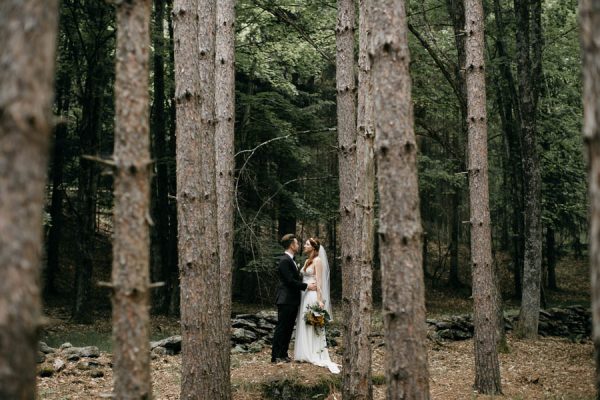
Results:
548 368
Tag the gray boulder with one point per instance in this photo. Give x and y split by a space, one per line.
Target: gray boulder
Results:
172 344
270 316
44 348
241 335
58 365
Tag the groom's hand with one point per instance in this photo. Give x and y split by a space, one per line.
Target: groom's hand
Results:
312 286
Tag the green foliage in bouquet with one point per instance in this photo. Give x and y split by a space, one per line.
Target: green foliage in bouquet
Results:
317 316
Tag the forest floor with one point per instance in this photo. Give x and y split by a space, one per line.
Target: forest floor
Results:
547 368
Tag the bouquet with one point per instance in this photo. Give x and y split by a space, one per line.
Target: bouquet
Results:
317 316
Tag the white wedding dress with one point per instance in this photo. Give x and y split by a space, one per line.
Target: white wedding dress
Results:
310 346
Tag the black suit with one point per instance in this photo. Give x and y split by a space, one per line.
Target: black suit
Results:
288 301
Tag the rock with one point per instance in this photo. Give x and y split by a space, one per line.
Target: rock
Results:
443 325
241 335
255 347
262 332
264 324
243 323
65 345
239 349
573 321
44 348
270 316
58 365
83 366
75 353
89 351
96 373
246 316
453 334
159 351
41 357
172 344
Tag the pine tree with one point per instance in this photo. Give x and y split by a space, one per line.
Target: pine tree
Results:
346 128
131 245
590 34
225 163
203 372
487 369
27 55
359 385
400 228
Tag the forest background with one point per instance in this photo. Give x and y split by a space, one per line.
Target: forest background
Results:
286 148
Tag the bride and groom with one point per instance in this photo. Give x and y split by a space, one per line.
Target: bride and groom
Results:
297 290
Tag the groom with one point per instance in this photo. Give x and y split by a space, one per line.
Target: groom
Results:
288 299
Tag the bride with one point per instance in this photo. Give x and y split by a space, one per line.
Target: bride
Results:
311 346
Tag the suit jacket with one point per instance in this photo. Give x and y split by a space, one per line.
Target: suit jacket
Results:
290 282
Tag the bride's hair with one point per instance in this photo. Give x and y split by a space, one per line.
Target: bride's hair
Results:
316 245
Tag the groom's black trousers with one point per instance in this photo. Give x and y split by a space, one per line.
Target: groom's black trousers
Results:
286 318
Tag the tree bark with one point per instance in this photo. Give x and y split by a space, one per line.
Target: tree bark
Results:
161 235
590 37
27 55
346 127
551 258
173 277
131 245
400 228
358 383
456 10
63 98
225 162
86 191
453 278
201 326
530 302
509 113
487 368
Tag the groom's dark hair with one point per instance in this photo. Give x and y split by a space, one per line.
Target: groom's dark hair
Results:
287 240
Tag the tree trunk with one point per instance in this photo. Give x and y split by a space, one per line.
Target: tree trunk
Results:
27 55
453 279
530 302
400 221
456 10
551 257
357 384
161 235
487 368
203 373
590 36
346 127
173 277
225 163
86 196
56 211
509 113
131 244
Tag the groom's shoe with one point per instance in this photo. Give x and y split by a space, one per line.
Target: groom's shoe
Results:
280 360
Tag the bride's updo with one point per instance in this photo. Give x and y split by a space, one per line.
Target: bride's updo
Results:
316 245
